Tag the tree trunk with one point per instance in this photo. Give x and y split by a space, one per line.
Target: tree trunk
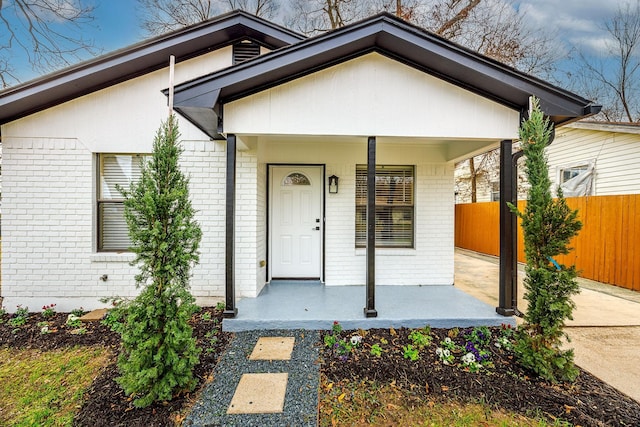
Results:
472 169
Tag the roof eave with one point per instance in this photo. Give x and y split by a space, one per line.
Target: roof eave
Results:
137 60
401 41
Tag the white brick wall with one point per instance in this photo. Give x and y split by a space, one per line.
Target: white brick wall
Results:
204 162
49 222
49 225
261 227
246 223
429 263
48 237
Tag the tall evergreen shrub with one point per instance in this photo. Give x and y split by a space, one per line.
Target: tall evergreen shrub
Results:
158 348
548 227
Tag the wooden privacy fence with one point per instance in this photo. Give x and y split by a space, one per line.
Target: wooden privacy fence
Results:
607 248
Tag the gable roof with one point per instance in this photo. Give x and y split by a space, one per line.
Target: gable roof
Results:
200 100
139 59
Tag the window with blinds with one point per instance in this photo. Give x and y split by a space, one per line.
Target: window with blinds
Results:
115 169
394 206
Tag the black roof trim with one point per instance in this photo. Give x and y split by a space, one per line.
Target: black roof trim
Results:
139 59
392 37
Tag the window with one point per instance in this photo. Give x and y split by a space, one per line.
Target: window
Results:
572 172
296 178
495 191
576 179
115 169
394 206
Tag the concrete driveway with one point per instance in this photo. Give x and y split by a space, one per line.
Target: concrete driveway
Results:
605 332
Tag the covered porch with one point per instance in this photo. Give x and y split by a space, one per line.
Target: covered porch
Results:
391 95
299 304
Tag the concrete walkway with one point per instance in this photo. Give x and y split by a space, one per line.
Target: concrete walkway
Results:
264 378
605 332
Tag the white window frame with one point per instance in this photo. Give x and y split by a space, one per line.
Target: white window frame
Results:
574 165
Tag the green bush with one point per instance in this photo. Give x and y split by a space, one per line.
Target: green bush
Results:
548 225
158 348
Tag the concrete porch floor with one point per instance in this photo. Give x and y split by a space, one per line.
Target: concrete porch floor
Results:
311 305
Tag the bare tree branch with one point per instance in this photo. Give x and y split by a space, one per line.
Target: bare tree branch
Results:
50 32
452 26
162 16
614 79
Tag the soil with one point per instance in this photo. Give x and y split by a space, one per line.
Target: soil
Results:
105 404
504 384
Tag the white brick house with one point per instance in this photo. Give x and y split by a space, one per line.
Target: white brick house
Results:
378 97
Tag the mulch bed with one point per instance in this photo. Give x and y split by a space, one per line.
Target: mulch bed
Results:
105 403
586 402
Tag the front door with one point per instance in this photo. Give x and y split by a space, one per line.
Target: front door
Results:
295 221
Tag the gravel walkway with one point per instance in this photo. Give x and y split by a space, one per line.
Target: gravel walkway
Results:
301 399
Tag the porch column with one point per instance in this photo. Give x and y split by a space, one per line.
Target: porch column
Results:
370 308
230 309
507 247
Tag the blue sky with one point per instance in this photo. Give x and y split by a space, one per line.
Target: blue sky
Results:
575 22
116 24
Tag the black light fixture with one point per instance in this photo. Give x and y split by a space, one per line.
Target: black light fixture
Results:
333 184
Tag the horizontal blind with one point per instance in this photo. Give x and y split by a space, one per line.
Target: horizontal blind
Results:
114 233
394 205
115 169
118 169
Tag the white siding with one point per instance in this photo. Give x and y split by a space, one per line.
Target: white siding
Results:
616 155
122 118
371 95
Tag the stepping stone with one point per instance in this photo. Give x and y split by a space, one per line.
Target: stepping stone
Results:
95 315
259 394
273 348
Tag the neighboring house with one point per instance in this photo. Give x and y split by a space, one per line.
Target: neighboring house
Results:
263 140
487 171
596 159
487 177
586 158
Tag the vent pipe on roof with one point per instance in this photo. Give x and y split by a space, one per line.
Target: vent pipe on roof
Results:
172 65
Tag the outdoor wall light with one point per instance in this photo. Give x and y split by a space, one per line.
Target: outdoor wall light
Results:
333 184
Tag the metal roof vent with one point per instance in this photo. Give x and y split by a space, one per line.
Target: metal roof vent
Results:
245 50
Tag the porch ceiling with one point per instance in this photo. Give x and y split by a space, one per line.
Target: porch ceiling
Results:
449 150
391 37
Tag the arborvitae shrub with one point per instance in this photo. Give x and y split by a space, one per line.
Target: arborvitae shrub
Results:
158 348
548 225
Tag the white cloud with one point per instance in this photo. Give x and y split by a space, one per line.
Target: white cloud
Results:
578 23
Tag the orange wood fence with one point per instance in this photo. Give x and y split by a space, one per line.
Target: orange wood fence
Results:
607 248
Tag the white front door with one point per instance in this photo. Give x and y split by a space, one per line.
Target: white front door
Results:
295 221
